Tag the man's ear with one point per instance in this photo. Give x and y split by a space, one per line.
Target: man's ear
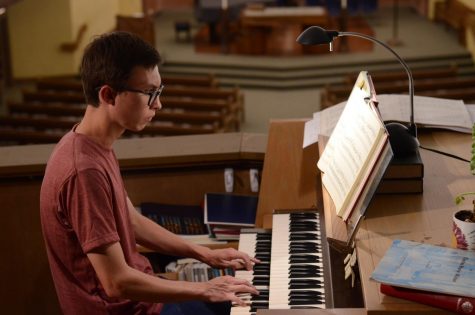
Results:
107 95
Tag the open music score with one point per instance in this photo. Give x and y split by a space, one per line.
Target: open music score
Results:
354 151
355 157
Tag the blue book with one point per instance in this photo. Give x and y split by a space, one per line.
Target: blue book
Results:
428 267
230 209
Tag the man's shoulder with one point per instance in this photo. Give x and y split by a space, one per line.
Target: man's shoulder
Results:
76 152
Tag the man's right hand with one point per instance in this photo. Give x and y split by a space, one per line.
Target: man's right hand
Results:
225 289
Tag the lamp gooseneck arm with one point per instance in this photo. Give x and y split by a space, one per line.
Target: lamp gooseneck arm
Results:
412 127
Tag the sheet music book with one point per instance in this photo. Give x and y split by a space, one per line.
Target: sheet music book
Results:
357 153
427 267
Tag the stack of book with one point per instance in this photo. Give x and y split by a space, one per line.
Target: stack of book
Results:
433 275
403 176
225 214
189 269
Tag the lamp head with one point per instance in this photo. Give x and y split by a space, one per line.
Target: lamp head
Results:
315 35
402 140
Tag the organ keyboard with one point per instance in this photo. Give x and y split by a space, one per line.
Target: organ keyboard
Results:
295 272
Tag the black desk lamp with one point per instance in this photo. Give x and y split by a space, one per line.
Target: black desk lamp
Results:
403 139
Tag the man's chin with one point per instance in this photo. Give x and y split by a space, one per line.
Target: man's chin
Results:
137 128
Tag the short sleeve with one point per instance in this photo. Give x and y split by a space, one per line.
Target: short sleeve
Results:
87 200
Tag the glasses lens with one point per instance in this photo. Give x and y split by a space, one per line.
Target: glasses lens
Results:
155 94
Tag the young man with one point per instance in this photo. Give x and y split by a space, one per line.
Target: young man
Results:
89 224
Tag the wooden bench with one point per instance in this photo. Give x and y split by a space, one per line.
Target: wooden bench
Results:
214 118
234 96
16 136
61 126
69 91
58 84
74 84
332 95
391 76
70 97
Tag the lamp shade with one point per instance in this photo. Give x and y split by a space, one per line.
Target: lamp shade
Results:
315 35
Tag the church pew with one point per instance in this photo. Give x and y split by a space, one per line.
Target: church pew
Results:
50 109
37 123
217 119
74 84
63 125
66 124
391 76
59 84
229 103
18 136
234 95
72 97
332 95
76 96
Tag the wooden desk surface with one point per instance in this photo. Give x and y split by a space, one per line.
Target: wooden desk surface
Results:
422 217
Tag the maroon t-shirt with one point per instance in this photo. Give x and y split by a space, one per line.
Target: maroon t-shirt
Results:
83 207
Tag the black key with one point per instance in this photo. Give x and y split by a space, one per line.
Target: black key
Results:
304 258
308 283
304 237
304 245
307 215
264 236
305 267
304 275
306 301
300 229
305 293
303 251
261 282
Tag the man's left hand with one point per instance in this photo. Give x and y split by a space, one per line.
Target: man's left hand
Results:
230 257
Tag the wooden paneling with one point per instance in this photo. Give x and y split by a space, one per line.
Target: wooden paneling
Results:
290 178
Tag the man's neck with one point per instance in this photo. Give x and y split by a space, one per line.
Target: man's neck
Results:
98 127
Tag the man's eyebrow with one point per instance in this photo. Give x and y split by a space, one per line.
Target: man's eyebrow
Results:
151 87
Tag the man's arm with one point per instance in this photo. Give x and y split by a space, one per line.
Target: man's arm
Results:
122 281
155 237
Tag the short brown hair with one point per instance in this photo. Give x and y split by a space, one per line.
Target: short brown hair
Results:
110 58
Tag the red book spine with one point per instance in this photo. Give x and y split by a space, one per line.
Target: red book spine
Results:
458 304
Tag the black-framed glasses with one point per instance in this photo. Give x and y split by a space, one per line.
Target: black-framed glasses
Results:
152 94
